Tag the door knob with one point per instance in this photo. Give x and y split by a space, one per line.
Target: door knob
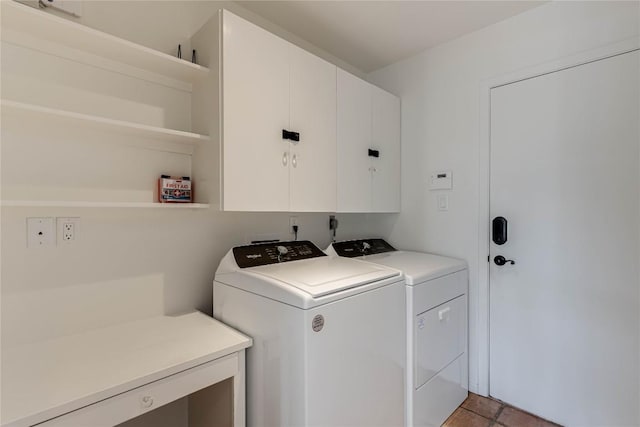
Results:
500 260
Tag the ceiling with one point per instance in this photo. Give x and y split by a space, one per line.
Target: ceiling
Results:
372 34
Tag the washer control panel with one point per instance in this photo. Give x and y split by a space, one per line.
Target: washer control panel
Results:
355 248
275 252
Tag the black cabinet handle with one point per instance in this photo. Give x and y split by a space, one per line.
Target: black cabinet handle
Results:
293 136
374 153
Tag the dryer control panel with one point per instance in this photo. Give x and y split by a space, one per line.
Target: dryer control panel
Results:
355 248
275 252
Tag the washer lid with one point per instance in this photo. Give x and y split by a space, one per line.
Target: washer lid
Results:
323 276
418 267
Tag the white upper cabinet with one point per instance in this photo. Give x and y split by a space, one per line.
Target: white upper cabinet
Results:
313 115
368 135
269 86
385 138
354 139
255 109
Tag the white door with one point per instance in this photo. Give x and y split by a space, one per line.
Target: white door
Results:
385 138
313 116
354 139
564 319
255 111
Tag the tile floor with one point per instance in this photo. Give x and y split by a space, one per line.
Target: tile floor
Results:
478 411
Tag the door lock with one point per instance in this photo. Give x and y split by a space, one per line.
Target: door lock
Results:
499 224
500 260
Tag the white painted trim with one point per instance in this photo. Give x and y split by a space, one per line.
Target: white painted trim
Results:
221 108
239 392
602 52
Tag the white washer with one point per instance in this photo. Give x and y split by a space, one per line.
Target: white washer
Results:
437 361
328 335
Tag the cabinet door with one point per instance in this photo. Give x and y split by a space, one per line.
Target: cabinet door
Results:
354 139
313 115
386 139
255 109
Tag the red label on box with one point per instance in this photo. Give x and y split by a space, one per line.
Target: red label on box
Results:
174 190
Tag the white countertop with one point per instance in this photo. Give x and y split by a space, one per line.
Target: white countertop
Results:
50 378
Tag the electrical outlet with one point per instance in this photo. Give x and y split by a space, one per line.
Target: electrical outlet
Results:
40 232
293 220
68 230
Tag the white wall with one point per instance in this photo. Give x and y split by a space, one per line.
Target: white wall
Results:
127 263
441 112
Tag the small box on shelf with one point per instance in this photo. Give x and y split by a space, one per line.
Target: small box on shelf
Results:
174 189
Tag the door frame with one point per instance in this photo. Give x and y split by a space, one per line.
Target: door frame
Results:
483 327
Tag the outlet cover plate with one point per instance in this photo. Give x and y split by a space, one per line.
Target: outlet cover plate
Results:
65 236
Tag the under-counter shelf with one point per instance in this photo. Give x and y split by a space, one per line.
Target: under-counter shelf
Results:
25 112
88 204
22 19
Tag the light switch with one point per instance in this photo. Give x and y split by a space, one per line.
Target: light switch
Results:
443 202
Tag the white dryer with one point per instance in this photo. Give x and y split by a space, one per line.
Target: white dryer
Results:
328 334
436 325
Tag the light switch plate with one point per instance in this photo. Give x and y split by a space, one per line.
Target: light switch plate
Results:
443 202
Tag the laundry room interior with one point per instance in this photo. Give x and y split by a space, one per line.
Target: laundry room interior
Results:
319 213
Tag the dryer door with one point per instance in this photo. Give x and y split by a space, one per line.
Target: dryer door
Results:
440 336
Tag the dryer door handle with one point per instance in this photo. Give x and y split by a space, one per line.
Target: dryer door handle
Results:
444 313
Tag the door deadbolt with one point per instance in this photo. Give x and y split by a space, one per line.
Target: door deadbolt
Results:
499 225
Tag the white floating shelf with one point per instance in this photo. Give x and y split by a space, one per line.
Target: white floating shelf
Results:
82 204
38 113
42 25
